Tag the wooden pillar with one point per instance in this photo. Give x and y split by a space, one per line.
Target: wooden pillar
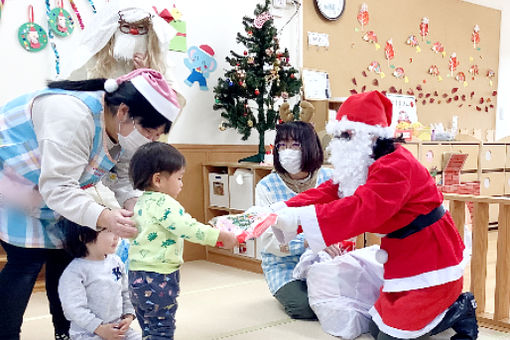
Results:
479 258
502 293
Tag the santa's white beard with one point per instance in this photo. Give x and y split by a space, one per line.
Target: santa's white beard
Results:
351 159
126 45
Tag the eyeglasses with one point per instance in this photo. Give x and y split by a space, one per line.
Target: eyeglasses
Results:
127 28
288 145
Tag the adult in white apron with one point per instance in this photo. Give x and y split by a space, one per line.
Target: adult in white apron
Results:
53 144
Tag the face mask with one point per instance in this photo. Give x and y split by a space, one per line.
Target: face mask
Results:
290 160
132 142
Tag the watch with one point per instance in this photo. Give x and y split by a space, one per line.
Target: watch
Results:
330 9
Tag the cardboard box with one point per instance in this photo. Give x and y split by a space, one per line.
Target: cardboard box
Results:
218 190
241 189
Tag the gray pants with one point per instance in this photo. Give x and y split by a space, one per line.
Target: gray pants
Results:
294 298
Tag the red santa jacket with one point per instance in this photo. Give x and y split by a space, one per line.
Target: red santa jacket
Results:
397 190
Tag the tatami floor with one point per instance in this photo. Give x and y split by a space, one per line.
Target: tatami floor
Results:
219 302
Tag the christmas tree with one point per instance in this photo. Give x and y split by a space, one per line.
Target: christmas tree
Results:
258 78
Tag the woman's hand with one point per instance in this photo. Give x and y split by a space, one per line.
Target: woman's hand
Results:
119 222
228 239
333 250
140 60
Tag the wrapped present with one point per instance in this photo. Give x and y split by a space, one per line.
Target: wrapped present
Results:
245 226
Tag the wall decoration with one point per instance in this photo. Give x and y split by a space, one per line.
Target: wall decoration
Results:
31 36
413 42
424 27
473 70
453 63
434 71
201 63
330 9
460 76
371 37
375 67
261 19
399 73
363 16
437 47
490 74
475 36
178 43
389 51
60 21
318 39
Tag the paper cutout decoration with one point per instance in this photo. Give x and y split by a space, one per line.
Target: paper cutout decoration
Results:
60 21
389 51
424 27
261 19
475 36
434 71
1 7
413 42
437 47
318 39
77 12
399 73
375 67
460 76
201 63
178 42
363 16
474 71
371 37
31 36
245 226
453 63
490 74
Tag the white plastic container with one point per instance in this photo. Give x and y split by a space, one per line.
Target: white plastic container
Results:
241 189
218 190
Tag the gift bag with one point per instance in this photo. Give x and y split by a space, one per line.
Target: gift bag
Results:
342 290
245 226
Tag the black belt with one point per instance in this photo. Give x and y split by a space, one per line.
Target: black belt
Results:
419 223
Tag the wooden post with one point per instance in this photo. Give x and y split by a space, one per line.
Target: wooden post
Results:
372 239
458 212
479 258
502 293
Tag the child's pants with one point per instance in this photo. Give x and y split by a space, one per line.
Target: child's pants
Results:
154 297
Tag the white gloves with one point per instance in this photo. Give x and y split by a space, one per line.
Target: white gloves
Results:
286 226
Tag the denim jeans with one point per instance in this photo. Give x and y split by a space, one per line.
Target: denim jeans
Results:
17 280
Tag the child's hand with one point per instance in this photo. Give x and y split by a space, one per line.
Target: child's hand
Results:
126 322
228 239
110 331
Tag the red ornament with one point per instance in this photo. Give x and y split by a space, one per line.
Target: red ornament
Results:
257 92
292 76
245 52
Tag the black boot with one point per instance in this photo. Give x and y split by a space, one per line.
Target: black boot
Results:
461 316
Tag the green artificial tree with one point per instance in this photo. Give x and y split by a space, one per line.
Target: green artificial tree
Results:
257 79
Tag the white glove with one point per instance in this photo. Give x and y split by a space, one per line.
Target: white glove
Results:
286 225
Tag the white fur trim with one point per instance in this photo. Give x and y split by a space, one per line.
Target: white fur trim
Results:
401 333
311 228
338 126
428 279
278 206
168 109
110 85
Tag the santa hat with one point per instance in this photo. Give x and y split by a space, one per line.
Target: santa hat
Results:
32 29
207 49
369 111
153 86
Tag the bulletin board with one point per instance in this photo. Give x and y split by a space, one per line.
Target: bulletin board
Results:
438 97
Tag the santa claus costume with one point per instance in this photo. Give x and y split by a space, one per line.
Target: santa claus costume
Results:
379 187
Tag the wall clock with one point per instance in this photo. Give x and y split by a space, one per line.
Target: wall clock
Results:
330 9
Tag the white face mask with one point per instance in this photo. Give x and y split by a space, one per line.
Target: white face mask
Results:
132 142
290 160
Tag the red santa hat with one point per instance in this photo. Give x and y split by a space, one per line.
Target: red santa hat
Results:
153 86
369 111
207 49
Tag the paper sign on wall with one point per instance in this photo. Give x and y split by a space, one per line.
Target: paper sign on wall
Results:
404 109
316 85
318 39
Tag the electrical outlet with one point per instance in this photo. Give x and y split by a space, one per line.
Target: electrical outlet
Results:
279 3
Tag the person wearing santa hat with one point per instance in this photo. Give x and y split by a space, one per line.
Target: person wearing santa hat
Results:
379 187
55 143
33 38
61 22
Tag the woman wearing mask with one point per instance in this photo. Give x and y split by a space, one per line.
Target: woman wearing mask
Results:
55 143
298 158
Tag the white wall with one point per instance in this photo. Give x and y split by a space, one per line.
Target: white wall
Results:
208 22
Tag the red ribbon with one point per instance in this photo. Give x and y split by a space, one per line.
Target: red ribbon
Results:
165 14
30 13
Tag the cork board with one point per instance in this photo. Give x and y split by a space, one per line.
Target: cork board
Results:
450 22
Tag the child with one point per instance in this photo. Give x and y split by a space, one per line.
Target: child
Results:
93 288
155 255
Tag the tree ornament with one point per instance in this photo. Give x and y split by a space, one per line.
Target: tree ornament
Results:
1 7
292 76
245 52
269 52
257 92
250 60
222 127
250 33
249 123
262 19
285 95
60 21
31 36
